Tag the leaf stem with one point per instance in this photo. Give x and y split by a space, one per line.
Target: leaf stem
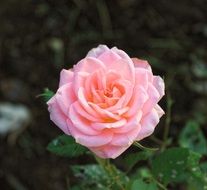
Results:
110 169
159 184
144 148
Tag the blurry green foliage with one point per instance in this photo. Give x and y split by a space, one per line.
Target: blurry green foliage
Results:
193 138
65 145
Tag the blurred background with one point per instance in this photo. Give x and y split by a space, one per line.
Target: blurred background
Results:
38 38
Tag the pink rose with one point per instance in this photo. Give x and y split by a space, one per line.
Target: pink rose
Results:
107 101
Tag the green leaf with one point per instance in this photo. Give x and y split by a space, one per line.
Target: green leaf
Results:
66 146
47 94
92 176
192 137
131 159
171 165
139 184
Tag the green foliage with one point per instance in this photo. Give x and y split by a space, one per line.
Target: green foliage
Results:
174 164
92 176
65 145
140 184
97 177
132 159
193 138
47 94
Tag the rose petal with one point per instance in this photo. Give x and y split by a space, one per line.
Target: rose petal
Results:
57 116
137 101
153 99
89 65
81 123
123 67
159 85
108 57
138 63
80 110
148 124
126 89
82 100
91 140
66 76
65 97
143 77
125 139
95 52
103 113
132 123
159 110
109 151
109 125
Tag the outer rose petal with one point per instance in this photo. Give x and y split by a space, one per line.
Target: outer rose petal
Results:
121 53
141 64
108 57
95 52
126 139
159 85
153 99
123 67
143 77
57 116
88 65
148 124
109 151
159 110
90 140
66 76
65 97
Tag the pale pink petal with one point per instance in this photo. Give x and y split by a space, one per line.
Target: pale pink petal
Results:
122 67
148 124
103 113
153 99
159 85
159 110
81 123
109 125
90 140
95 52
121 53
84 113
126 89
108 57
132 123
84 103
65 97
66 76
109 151
122 110
137 101
89 65
125 139
79 81
57 116
141 64
143 77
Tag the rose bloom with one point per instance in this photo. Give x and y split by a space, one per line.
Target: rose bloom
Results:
107 101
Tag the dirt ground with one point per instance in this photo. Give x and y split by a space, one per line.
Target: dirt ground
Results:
39 38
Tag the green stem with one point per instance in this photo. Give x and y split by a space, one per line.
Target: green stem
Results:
144 148
159 184
110 170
